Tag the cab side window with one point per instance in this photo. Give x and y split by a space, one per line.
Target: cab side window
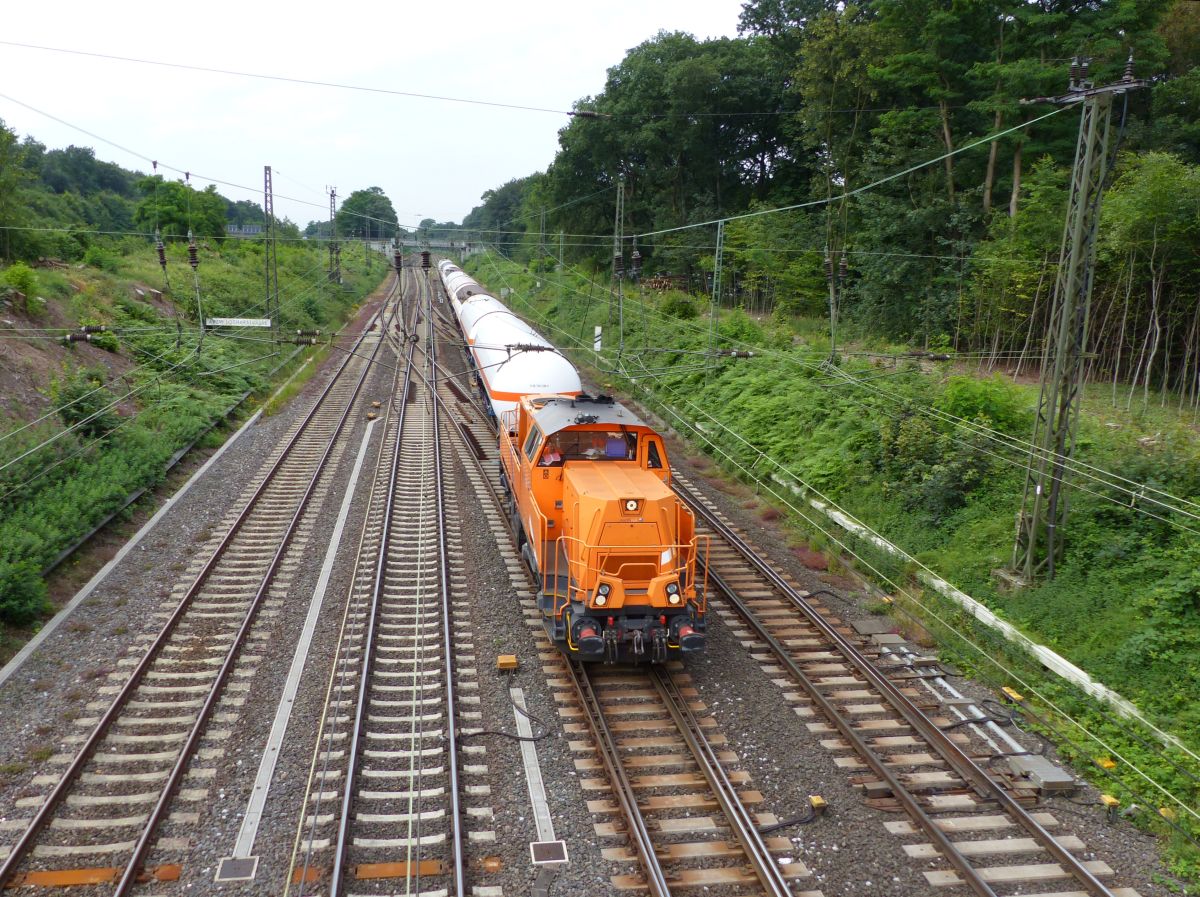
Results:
653 459
531 442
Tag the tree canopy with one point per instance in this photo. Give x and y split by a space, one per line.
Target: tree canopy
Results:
815 99
367 214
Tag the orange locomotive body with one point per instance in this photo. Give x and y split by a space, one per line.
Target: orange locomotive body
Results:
614 549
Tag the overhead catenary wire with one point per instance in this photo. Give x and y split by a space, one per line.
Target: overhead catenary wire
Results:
94 415
803 514
308 82
124 421
6 333
184 171
910 595
366 88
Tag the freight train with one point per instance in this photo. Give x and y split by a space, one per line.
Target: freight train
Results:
588 491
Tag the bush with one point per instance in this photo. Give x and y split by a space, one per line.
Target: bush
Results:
101 258
679 305
20 277
22 592
105 340
85 403
995 399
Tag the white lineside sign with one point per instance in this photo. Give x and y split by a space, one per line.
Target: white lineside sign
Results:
237 322
596 339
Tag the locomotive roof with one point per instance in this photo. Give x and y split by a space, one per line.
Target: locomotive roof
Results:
559 412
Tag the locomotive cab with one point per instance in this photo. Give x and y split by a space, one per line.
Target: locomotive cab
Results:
613 548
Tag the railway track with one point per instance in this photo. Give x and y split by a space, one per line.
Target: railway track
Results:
121 809
687 815
915 757
679 812
392 797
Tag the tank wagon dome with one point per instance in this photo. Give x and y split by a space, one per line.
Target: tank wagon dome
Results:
510 373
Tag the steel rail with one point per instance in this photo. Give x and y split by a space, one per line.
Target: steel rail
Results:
968 769
744 827
606 745
339 671
626 795
40 819
368 650
185 754
905 797
456 826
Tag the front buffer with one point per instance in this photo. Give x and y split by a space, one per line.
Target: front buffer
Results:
631 635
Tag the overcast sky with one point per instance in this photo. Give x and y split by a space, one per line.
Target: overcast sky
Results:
432 158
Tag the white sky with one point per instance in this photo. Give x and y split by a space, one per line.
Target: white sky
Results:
433 159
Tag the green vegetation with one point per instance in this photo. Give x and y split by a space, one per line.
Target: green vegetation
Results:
125 402
1126 604
368 214
815 99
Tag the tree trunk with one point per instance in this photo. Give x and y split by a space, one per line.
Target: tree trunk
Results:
1095 365
1121 339
1037 296
1152 332
1015 198
990 178
1185 382
949 141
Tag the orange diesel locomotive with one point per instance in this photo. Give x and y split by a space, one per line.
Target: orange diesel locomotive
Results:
614 549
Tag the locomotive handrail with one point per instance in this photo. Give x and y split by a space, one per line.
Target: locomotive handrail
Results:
687 553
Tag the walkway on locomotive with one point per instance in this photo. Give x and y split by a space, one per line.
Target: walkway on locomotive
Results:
619 461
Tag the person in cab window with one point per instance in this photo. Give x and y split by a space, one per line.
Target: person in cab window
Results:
550 457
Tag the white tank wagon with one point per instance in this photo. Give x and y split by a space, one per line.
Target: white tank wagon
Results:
484 311
511 358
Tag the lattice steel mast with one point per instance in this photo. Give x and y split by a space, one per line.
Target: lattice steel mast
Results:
270 263
1043 513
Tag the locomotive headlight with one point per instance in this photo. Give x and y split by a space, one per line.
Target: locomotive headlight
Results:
673 596
631 505
602 592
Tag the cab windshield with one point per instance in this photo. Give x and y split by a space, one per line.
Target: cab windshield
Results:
588 445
